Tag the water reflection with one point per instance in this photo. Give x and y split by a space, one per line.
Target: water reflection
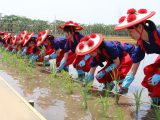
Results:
145 112
45 103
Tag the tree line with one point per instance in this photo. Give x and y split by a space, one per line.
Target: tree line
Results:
15 24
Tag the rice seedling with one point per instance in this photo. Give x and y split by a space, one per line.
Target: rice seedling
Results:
67 82
120 113
104 103
29 71
137 97
18 54
52 75
156 107
5 57
115 76
116 91
157 112
22 66
53 67
84 92
14 61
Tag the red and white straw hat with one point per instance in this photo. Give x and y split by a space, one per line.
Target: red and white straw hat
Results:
21 37
2 33
6 36
72 24
42 37
14 39
88 44
27 38
133 17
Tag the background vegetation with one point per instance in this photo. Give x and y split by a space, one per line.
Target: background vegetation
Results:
15 24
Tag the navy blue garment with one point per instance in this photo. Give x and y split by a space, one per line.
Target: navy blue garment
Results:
150 47
76 39
1 40
110 50
59 43
35 36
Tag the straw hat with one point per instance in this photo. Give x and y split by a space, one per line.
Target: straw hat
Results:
14 39
88 44
6 37
27 38
1 33
21 37
42 37
71 24
133 17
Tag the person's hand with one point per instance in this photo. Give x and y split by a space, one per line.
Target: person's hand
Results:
14 50
88 77
24 52
30 55
111 67
57 71
100 75
46 58
19 52
127 80
62 64
53 55
81 63
123 91
33 58
42 52
155 79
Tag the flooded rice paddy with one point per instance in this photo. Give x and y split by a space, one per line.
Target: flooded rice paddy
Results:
52 101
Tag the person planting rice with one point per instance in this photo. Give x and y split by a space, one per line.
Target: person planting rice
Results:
58 46
14 40
73 37
6 38
148 41
19 42
1 40
116 55
44 43
29 45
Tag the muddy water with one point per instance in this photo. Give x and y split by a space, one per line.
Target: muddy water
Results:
51 102
136 86
145 113
40 96
55 105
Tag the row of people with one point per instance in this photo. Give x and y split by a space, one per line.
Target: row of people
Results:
86 53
